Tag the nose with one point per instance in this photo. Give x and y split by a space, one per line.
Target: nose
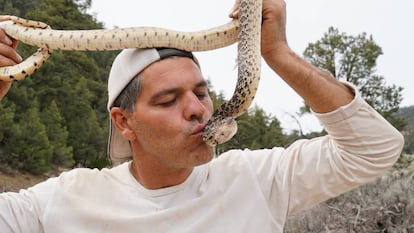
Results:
194 108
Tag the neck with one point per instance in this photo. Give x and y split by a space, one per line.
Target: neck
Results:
155 177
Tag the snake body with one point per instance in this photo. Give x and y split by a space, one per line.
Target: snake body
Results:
41 35
246 30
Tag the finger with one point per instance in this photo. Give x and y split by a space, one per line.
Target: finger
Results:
234 14
5 17
5 39
8 55
235 10
14 44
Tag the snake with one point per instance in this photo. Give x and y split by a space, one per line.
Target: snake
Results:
245 30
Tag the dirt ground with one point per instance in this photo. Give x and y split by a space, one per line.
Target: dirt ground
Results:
15 182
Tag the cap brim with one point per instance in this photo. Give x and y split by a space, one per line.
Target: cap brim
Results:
119 148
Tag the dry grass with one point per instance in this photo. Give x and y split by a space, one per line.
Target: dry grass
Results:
386 205
15 182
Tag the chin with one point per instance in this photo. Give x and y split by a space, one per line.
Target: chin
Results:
204 157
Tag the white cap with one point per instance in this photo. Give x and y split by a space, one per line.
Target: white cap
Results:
127 65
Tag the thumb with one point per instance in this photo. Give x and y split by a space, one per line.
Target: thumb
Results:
234 12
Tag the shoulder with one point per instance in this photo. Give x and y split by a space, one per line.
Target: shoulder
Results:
82 178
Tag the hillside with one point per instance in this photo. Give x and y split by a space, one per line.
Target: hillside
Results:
15 182
408 114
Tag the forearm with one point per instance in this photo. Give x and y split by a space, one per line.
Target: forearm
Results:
321 91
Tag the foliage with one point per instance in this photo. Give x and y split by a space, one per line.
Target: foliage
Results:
354 59
6 116
409 143
408 114
58 136
84 128
18 7
35 151
64 14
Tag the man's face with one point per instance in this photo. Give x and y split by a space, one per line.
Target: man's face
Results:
171 111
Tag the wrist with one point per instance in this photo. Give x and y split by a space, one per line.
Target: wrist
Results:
277 55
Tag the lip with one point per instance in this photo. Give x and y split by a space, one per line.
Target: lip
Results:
198 130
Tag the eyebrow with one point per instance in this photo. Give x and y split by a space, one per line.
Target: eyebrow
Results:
169 91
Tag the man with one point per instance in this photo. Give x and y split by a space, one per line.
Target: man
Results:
159 104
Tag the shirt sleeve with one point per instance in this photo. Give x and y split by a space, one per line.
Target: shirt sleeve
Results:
22 212
360 146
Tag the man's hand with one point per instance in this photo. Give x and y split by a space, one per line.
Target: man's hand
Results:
320 90
8 56
273 25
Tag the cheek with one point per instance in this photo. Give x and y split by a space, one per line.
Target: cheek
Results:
158 127
209 106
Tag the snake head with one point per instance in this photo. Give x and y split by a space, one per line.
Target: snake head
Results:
220 132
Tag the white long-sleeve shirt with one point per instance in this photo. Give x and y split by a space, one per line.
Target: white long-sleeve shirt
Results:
240 191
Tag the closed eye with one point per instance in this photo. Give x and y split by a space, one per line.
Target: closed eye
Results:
201 95
168 103
201 91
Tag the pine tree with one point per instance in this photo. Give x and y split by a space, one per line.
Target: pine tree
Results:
354 59
57 135
34 150
85 133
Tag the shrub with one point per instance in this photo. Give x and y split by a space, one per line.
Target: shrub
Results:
385 205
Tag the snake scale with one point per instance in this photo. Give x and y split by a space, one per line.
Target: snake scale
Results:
245 30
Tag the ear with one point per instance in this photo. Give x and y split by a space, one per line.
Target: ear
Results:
119 119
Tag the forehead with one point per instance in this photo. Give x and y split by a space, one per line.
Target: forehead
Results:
173 71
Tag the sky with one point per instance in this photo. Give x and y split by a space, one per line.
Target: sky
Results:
389 22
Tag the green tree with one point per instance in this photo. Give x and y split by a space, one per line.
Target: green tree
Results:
409 143
6 116
408 114
7 128
17 7
7 8
64 14
30 143
57 135
23 96
85 133
354 59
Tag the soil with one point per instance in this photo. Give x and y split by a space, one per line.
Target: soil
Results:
16 181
